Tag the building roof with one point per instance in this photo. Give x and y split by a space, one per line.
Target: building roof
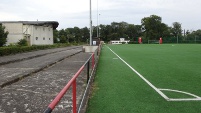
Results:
40 23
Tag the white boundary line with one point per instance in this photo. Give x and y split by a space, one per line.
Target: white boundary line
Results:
159 91
149 83
197 98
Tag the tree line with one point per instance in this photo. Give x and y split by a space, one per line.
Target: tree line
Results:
151 28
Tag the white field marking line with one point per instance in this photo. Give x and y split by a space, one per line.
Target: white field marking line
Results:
149 83
183 99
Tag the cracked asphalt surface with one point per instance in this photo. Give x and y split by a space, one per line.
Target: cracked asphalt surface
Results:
33 94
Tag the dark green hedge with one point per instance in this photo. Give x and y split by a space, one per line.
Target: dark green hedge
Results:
20 49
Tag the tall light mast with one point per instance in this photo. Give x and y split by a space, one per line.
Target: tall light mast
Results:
90 23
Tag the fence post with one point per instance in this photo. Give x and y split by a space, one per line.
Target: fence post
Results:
88 71
93 61
74 96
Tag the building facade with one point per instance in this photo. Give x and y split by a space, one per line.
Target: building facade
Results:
35 32
121 41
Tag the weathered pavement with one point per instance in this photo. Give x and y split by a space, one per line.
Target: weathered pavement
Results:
13 71
29 55
34 93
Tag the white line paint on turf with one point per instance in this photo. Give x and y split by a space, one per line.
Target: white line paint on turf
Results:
196 98
159 91
149 83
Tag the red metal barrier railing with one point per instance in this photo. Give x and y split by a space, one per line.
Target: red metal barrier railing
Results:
73 83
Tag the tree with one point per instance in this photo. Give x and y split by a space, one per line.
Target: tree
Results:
70 34
133 32
55 36
63 39
62 36
77 34
85 34
3 35
194 35
176 29
153 27
106 31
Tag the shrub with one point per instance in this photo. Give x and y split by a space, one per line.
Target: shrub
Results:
19 49
22 42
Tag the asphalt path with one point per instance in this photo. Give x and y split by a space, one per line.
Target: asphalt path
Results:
45 76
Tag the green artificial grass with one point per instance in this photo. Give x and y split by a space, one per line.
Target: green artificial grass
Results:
117 89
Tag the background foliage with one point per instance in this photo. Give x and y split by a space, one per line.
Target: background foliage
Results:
3 35
151 28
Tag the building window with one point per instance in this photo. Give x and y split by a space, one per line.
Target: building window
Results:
43 38
43 29
35 28
49 39
49 29
36 38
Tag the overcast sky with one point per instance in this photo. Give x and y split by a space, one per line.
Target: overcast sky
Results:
70 13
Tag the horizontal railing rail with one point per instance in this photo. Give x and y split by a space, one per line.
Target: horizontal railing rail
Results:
72 83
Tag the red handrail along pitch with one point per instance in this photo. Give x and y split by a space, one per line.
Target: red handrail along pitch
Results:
64 90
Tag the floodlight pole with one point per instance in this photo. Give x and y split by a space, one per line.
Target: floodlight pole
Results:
97 20
90 23
99 25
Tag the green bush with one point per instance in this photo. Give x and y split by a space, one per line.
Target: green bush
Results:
20 49
22 42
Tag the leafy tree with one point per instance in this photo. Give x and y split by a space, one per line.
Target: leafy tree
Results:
113 36
195 35
63 39
131 31
153 27
176 29
56 36
106 31
70 34
3 35
85 34
77 34
62 36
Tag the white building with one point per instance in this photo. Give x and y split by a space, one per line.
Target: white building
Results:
122 40
36 32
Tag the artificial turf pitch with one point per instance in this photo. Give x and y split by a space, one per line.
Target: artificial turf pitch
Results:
117 89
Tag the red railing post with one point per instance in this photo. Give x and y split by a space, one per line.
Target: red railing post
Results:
93 61
74 97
